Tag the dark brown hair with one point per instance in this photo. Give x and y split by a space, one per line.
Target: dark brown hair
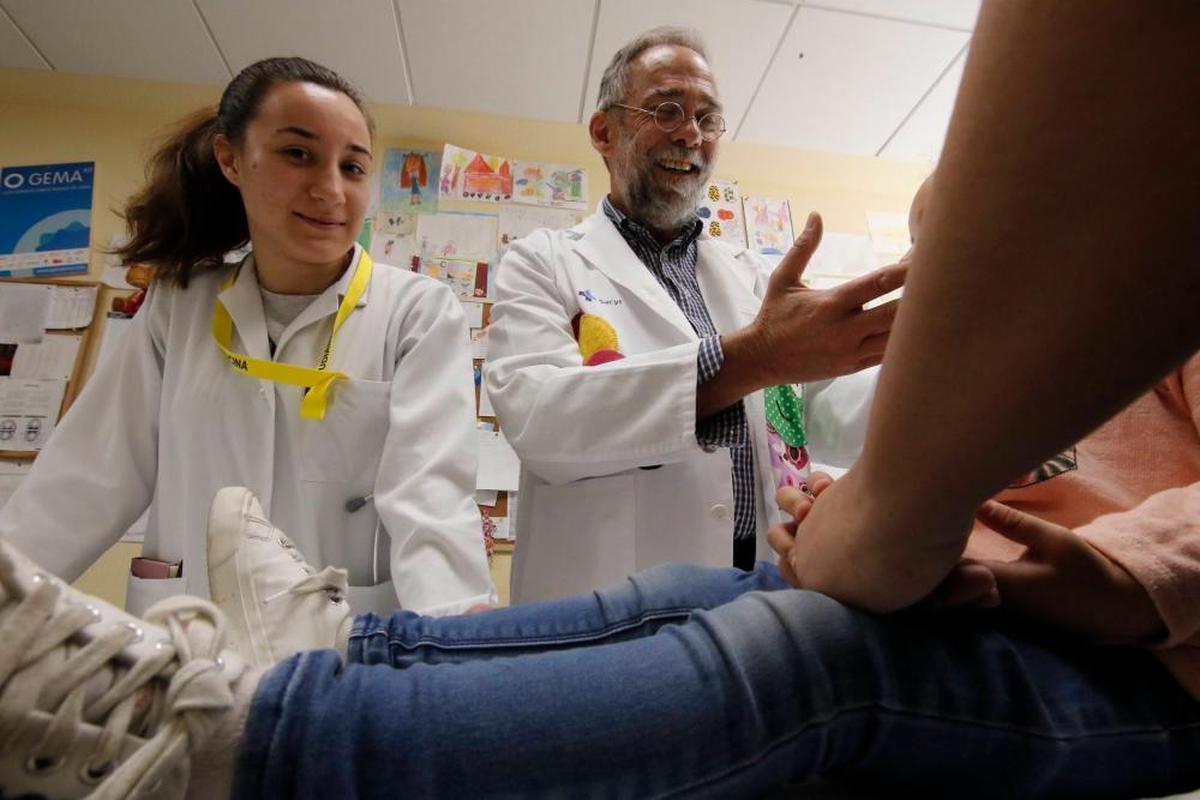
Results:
188 216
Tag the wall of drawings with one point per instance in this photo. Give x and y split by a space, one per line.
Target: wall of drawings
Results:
419 223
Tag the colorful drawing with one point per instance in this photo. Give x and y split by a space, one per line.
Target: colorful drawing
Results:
559 185
527 182
768 225
468 175
468 279
407 181
721 212
482 182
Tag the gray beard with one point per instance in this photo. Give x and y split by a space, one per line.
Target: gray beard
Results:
661 209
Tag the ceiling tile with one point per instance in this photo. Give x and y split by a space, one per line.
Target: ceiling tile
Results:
15 50
921 136
857 79
959 14
522 58
161 40
740 37
363 46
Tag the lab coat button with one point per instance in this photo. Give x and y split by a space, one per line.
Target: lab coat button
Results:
720 511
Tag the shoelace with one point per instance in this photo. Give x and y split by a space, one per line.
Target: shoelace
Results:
195 686
330 579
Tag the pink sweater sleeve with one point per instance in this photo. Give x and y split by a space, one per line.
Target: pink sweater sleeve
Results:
1158 542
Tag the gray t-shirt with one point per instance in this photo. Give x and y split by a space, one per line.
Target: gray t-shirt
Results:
280 310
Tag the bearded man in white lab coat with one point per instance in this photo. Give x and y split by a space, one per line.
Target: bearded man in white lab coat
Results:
629 354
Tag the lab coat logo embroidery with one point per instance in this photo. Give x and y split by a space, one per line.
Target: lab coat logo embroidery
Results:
598 343
586 294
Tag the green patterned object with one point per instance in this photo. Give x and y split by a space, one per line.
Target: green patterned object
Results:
785 412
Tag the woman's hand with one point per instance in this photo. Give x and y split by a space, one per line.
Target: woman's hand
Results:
795 502
1060 580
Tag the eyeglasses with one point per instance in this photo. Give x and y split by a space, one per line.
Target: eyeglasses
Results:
669 116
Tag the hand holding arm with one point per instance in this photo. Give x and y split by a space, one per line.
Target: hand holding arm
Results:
1060 580
796 503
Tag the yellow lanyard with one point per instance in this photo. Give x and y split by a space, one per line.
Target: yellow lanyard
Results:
317 380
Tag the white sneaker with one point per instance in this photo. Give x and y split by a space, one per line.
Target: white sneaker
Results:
93 701
276 603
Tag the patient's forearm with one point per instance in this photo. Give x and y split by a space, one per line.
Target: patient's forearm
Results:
1058 272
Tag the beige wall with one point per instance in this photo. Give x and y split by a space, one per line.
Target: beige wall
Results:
50 117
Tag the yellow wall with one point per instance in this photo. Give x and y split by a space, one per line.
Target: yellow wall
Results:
50 117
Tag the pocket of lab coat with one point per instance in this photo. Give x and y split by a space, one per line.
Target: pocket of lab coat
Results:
347 443
348 538
581 537
141 593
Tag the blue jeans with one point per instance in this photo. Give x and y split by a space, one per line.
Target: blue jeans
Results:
688 682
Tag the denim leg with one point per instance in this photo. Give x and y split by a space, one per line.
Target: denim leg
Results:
638 606
772 688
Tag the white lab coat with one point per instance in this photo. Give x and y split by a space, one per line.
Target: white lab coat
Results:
613 479
165 422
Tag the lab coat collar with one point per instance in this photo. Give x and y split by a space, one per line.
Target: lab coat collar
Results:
244 303
727 284
602 246
326 304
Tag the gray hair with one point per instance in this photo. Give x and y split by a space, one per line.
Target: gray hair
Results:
615 81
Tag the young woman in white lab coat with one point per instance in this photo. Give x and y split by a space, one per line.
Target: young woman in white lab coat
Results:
376 474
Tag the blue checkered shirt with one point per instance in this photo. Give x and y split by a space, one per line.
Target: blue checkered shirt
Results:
674 266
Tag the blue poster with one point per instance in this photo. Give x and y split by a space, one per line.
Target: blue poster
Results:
45 219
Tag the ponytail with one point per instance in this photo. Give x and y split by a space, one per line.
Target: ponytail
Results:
188 215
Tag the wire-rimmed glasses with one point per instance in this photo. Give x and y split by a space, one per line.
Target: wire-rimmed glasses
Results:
669 115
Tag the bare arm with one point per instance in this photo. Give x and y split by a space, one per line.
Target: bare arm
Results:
1056 278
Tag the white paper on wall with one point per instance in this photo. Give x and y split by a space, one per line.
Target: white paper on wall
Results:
24 312
28 412
71 307
499 467
515 222
889 234
51 358
393 249
471 237
474 313
842 254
